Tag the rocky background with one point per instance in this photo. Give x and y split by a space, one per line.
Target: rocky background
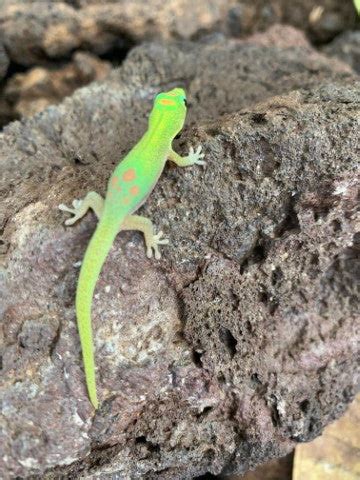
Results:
243 340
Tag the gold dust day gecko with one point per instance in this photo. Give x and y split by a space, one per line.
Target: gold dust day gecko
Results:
129 186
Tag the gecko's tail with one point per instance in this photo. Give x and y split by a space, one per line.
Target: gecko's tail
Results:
93 261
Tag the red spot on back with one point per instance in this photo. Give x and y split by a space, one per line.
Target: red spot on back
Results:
129 175
126 200
134 190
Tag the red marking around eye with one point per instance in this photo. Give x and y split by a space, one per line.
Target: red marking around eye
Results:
134 190
129 175
166 101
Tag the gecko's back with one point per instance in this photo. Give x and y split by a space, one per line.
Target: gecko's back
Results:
136 175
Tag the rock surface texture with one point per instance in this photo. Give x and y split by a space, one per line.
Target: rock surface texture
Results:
244 338
39 31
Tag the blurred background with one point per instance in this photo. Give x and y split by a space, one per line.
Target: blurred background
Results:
48 49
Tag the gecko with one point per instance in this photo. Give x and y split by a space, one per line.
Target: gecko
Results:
129 186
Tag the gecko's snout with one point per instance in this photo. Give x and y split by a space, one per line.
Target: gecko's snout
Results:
169 110
173 98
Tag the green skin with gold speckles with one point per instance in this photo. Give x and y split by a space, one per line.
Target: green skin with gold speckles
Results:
129 186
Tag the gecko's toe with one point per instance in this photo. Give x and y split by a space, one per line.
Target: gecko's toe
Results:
70 221
153 249
160 241
64 208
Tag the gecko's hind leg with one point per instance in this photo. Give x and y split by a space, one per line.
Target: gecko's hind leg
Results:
92 200
152 241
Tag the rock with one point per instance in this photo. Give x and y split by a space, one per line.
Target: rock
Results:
275 277
281 36
278 469
323 21
4 62
242 340
33 91
221 77
37 31
6 111
347 48
335 451
41 31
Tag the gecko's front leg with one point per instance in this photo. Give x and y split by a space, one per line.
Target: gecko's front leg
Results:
194 158
144 225
92 200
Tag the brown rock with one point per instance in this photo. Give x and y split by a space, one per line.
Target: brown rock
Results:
322 20
220 77
39 31
39 87
334 455
242 341
4 62
282 36
278 469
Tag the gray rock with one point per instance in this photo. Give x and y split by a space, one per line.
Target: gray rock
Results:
243 339
347 48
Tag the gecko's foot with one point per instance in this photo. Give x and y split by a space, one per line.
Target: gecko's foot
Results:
155 241
195 157
92 200
76 211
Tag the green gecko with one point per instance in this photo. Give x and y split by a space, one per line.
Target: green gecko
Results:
129 186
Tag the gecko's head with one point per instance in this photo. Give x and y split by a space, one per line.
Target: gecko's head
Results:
170 109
